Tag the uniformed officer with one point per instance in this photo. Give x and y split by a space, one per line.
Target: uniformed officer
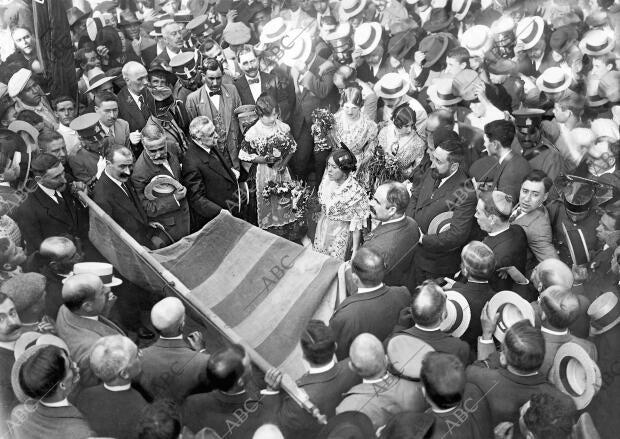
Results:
538 151
88 163
186 66
170 115
198 31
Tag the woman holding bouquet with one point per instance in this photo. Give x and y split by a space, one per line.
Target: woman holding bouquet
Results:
402 146
344 207
355 130
269 144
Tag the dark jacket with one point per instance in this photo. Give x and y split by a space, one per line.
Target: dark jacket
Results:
125 209
43 422
375 312
269 83
506 176
440 253
128 109
7 397
477 295
40 217
510 249
211 185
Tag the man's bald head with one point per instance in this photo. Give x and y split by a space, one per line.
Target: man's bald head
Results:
552 272
79 289
57 247
367 356
560 307
369 267
135 76
428 305
168 316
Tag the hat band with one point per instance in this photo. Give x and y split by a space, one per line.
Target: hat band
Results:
352 9
370 41
501 324
463 8
608 318
277 33
391 91
459 316
577 208
532 36
446 96
598 48
106 279
554 85
96 78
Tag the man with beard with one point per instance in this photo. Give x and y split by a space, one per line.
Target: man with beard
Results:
51 210
28 96
186 68
443 195
65 110
116 195
88 163
10 330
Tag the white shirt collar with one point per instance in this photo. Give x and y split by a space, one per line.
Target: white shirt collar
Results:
50 192
368 290
178 337
499 231
504 155
96 318
63 403
64 129
443 410
135 97
471 281
394 220
552 332
443 180
321 369
117 182
171 54
10 345
117 388
436 328
385 377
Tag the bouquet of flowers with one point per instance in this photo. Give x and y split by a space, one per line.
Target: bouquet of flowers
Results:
277 146
322 123
300 193
383 167
278 189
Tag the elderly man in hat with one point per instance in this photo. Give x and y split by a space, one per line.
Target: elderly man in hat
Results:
373 309
81 320
173 367
380 394
509 379
161 157
508 241
51 210
112 408
48 375
427 312
28 96
442 196
88 163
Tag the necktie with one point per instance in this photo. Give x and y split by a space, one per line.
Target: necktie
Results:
140 101
58 197
125 189
216 92
253 81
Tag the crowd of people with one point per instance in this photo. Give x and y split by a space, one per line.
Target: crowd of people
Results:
458 157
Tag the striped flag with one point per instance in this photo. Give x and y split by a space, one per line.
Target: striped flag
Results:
262 286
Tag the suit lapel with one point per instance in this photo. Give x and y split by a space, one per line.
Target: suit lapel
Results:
225 107
56 211
215 162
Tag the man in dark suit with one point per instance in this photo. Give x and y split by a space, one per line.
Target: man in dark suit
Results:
159 158
508 241
503 169
444 190
112 408
325 383
116 195
134 97
172 38
51 210
10 330
229 372
428 309
211 184
374 308
477 267
253 82
172 367
396 237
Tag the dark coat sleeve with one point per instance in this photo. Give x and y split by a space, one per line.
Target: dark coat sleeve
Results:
196 191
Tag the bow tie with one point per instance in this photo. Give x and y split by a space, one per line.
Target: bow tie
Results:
217 92
253 81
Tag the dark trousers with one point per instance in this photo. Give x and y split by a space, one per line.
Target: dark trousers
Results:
300 163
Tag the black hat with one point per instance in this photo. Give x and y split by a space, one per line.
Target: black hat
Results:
578 196
44 162
442 134
163 96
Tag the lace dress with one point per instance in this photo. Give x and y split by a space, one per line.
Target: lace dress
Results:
404 149
271 213
360 136
344 209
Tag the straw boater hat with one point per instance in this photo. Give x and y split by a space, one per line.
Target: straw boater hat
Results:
25 356
458 314
554 80
596 42
101 269
440 223
593 98
405 354
477 40
96 78
297 48
511 308
604 313
367 37
503 24
460 8
19 126
351 8
31 338
442 92
575 374
18 81
391 86
529 31
273 31
161 186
